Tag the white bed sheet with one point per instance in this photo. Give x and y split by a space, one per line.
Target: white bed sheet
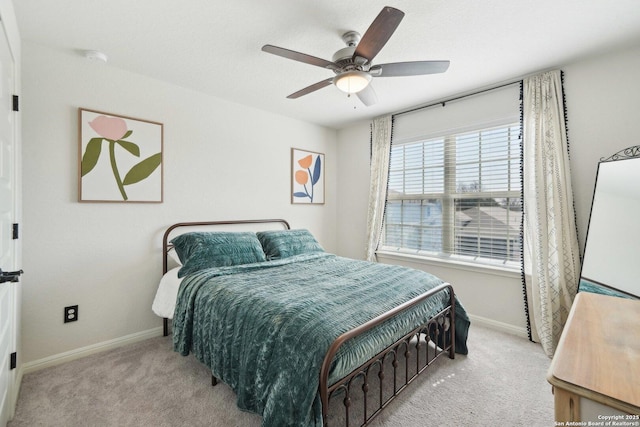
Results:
164 304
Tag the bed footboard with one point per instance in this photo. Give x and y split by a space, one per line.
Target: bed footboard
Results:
439 331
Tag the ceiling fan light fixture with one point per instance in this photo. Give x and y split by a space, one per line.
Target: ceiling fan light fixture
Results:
352 81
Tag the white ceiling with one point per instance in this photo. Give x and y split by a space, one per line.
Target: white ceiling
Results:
214 47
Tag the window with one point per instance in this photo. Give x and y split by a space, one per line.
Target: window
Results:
457 195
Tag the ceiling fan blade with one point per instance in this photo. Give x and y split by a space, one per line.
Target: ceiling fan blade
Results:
378 33
311 88
416 68
368 96
301 57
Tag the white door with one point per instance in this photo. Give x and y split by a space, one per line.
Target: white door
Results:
8 245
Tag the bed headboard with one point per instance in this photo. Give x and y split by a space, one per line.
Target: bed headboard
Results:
232 225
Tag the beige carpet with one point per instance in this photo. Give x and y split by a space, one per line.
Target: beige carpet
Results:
500 383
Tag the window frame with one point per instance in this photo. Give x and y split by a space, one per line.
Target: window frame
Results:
450 194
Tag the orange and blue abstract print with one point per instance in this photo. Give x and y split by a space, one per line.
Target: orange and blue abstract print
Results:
308 177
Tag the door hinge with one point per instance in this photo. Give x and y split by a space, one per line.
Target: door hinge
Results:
14 360
16 231
16 103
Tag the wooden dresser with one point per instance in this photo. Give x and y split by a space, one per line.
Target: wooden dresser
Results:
595 372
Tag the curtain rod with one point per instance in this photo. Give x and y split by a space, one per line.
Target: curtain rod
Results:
443 102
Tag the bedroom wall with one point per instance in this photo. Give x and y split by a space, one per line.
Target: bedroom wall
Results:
221 161
602 114
601 95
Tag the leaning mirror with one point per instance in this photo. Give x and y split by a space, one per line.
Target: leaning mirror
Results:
610 264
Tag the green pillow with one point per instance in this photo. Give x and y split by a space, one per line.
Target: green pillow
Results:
200 250
285 243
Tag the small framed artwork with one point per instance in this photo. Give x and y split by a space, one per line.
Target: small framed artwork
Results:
120 158
307 177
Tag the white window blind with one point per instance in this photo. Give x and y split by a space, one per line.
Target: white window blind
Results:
455 190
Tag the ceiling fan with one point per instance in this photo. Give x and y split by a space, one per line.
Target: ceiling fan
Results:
352 64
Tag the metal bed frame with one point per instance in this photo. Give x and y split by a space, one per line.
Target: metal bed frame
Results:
436 337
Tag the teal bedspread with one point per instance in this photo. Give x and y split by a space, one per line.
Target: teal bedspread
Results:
586 285
264 328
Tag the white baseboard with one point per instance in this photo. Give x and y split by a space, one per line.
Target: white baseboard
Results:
500 326
68 356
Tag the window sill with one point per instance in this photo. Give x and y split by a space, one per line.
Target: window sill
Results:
451 263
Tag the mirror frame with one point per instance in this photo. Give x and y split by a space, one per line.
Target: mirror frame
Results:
625 154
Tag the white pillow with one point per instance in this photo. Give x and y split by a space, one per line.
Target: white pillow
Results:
164 304
174 256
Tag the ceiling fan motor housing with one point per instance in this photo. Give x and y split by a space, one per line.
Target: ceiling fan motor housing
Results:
344 57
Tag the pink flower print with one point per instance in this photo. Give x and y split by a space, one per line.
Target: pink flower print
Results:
111 128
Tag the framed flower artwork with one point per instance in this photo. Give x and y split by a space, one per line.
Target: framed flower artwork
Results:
120 158
307 177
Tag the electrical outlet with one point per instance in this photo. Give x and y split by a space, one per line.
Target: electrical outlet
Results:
70 313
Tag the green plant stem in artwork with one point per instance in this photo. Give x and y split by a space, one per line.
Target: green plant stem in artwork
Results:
114 168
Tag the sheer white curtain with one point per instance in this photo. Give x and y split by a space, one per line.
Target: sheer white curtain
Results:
551 253
380 153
